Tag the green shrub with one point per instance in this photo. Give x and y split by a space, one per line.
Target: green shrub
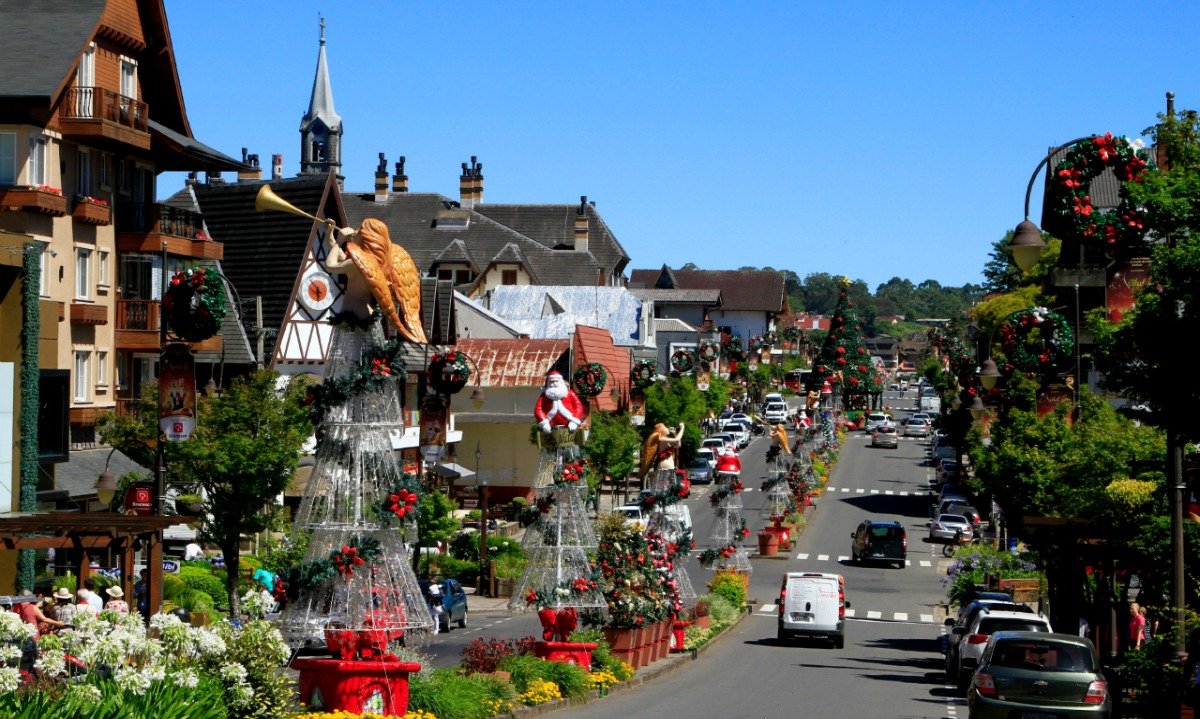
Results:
572 679
210 584
730 586
602 654
523 668
448 694
172 587
509 566
464 570
720 612
695 637
195 600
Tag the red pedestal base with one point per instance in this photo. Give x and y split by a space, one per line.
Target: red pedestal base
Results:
379 687
578 653
678 636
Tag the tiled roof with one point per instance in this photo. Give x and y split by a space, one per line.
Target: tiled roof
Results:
78 475
525 307
754 290
516 362
456 252
595 344
678 296
672 324
41 43
554 226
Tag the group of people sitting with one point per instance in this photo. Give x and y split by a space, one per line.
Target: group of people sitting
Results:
60 609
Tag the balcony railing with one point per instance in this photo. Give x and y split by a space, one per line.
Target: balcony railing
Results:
97 103
161 219
138 315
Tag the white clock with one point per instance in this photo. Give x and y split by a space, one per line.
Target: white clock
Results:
316 291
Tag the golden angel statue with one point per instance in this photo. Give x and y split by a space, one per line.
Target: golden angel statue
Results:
780 435
384 272
660 448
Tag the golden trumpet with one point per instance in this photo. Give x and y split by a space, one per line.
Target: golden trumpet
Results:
268 200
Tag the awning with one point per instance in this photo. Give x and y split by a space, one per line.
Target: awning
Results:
187 154
450 470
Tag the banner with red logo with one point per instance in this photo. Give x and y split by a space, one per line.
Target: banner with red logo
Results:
177 393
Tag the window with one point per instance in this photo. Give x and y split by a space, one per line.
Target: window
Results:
37 160
102 171
8 158
128 80
83 178
81 375
445 274
102 269
83 275
85 81
462 277
508 277
102 369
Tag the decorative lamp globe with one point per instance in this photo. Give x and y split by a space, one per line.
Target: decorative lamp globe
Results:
1026 245
989 373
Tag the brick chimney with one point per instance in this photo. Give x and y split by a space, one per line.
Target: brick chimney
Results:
1160 152
381 180
400 180
470 184
276 167
252 174
581 225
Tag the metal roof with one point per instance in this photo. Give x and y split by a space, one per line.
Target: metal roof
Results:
535 310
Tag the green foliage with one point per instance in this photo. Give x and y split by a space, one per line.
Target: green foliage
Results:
164 700
673 403
729 586
721 612
973 564
611 446
508 566
202 580
278 553
258 647
572 680
602 655
436 521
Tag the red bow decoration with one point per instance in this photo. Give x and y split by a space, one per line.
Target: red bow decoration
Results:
346 560
401 502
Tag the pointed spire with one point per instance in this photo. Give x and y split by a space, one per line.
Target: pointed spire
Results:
321 104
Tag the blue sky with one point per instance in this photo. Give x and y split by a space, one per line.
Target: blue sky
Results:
871 139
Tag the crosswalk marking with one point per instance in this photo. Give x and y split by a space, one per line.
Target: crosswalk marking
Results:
928 618
801 556
874 491
904 494
850 613
859 490
845 489
900 616
889 492
822 557
768 608
874 615
926 563
844 558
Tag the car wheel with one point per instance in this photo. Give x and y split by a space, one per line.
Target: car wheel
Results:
964 680
444 625
839 642
462 621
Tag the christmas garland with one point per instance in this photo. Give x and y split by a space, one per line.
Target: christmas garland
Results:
663 498
448 373
1054 346
564 593
1074 174
643 373
710 351
341 562
589 379
723 490
708 557
733 347
683 360
399 503
194 304
376 369
758 343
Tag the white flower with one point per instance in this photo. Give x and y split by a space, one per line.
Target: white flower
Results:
233 673
89 693
10 679
208 643
51 662
1138 144
9 653
132 680
159 621
258 603
15 629
187 678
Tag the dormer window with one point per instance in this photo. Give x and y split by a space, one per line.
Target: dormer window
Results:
452 220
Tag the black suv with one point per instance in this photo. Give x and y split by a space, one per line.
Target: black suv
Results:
879 541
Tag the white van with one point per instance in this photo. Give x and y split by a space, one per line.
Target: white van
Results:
813 604
775 412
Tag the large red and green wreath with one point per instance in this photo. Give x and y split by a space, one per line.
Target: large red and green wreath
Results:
589 379
643 373
710 351
733 347
1073 176
194 304
683 360
341 562
1036 340
399 503
448 372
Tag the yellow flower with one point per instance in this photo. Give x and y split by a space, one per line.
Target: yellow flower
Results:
539 691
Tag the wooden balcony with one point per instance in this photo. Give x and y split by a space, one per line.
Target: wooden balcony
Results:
137 325
91 213
86 416
33 199
145 227
102 118
88 313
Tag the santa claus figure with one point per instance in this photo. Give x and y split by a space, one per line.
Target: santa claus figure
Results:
559 406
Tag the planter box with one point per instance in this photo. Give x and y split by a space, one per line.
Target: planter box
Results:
39 201
335 685
91 214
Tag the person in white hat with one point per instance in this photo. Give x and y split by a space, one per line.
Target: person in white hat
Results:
64 609
116 601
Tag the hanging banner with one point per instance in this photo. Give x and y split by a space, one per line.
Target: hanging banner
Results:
1123 285
177 393
433 428
703 377
139 499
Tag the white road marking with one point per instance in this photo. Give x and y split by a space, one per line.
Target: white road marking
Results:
844 558
822 557
850 613
801 556
900 616
768 608
927 618
845 489
874 491
859 490
904 494
874 615
926 563
889 492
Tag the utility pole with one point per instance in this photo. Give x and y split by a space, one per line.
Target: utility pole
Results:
258 331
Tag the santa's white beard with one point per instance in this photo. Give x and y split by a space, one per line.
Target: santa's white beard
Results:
556 390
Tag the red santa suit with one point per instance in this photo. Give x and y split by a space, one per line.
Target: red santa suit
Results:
559 406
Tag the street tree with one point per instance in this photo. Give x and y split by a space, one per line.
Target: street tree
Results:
611 446
242 454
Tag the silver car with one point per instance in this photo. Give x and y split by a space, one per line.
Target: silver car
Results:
916 427
945 527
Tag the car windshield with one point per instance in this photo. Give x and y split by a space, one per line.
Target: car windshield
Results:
1048 656
698 464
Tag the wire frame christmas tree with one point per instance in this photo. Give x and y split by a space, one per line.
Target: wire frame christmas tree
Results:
559 573
724 551
670 536
778 502
358 505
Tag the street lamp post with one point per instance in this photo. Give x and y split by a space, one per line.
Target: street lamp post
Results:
486 576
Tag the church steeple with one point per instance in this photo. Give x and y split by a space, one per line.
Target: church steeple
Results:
321 128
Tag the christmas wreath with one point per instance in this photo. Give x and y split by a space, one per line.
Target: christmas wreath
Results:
791 333
194 304
709 351
643 373
589 379
399 503
565 593
733 347
683 360
758 342
448 373
341 562
1051 348
572 472
709 557
1074 174
379 366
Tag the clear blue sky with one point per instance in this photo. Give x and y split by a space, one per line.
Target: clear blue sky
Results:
871 139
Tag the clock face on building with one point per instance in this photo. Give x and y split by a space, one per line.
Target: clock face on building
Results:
316 291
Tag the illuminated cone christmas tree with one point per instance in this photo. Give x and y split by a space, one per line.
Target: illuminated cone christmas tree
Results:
725 550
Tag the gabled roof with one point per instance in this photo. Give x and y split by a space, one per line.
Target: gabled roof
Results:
411 218
525 307
554 226
672 324
515 362
708 298
595 344
41 43
746 290
455 253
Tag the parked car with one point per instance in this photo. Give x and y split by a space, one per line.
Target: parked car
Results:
971 639
945 527
967 511
947 501
772 398
885 435
717 445
731 442
453 600
874 419
948 471
708 455
1031 674
967 614
740 433
916 427
813 604
634 518
699 471
879 541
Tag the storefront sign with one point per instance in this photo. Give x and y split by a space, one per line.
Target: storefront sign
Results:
177 393
139 499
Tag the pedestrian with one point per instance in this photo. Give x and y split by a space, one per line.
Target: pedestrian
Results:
94 600
435 605
141 594
1084 626
1137 625
84 603
31 613
64 610
116 601
193 552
